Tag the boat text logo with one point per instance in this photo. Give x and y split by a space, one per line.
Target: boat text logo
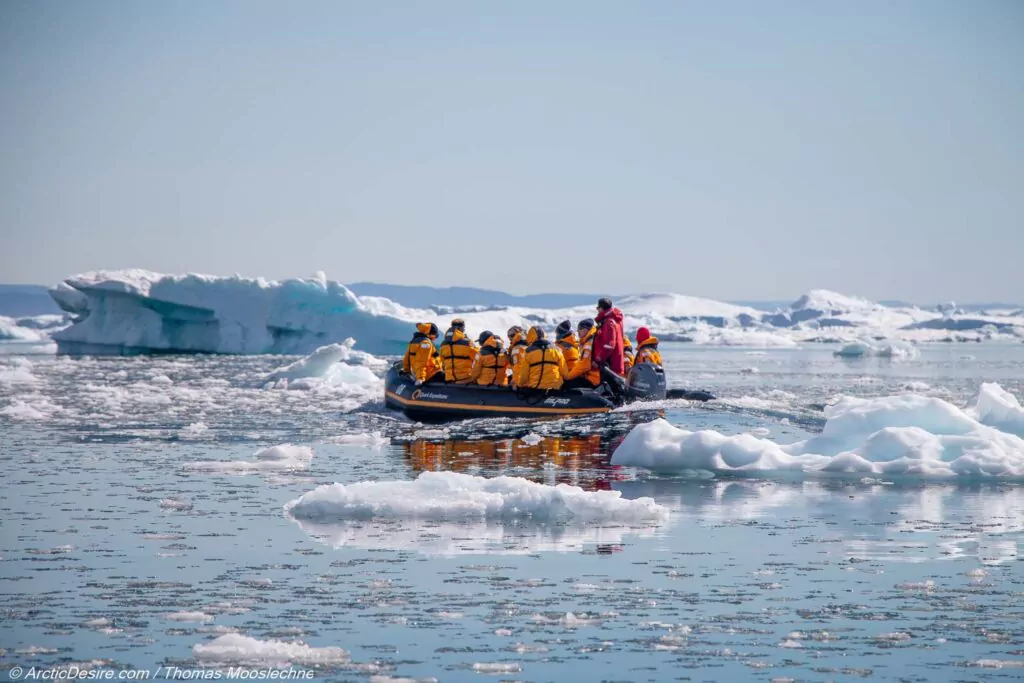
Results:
556 402
420 394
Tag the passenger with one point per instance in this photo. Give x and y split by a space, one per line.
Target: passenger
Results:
627 354
542 366
567 344
516 349
647 348
584 375
491 365
421 359
608 347
457 353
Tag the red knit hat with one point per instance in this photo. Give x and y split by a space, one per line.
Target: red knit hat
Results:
642 335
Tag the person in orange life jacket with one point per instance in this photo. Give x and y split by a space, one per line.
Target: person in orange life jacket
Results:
516 349
421 359
491 366
627 354
542 366
565 339
647 347
457 353
584 375
608 346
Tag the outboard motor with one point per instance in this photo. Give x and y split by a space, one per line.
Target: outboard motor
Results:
646 383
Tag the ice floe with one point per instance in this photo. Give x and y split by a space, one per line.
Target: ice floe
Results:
457 496
285 457
907 435
233 648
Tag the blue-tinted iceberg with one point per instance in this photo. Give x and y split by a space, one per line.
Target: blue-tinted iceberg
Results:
137 311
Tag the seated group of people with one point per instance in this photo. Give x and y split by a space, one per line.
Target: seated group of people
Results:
531 361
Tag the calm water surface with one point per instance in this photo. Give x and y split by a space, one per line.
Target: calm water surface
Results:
114 551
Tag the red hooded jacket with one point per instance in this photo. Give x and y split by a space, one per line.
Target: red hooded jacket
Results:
608 346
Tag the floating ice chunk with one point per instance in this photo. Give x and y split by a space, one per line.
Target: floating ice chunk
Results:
996 407
905 435
17 370
456 496
862 349
201 617
234 648
285 457
370 440
497 667
532 439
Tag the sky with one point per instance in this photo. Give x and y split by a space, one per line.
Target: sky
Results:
734 150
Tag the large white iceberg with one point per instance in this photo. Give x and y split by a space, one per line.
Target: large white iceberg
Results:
895 435
140 311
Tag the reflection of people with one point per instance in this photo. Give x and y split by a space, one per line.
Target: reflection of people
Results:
580 461
491 365
543 366
421 359
608 346
457 353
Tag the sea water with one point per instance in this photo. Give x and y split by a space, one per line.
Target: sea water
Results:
143 531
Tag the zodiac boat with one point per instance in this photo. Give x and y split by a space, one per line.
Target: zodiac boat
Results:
437 402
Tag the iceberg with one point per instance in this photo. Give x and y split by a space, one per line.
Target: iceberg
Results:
138 311
894 435
126 312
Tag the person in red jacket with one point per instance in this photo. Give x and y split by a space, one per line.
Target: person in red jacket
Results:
608 346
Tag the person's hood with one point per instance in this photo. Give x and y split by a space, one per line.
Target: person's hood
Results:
650 341
455 334
612 313
426 328
492 342
626 344
569 338
534 335
590 335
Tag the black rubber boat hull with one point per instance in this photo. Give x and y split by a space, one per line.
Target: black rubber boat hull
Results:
440 402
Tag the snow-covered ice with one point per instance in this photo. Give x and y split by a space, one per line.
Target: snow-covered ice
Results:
895 435
237 649
457 496
132 311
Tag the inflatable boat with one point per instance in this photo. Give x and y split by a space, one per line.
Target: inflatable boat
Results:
438 402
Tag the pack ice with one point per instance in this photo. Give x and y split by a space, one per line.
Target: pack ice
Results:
907 435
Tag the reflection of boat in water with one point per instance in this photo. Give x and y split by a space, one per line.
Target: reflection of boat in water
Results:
579 460
440 402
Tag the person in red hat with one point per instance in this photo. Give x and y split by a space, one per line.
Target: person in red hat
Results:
646 348
608 345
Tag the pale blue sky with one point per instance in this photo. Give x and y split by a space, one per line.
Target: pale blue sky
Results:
736 150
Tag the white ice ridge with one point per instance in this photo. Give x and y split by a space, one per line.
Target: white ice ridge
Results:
283 458
129 311
236 649
896 435
464 497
